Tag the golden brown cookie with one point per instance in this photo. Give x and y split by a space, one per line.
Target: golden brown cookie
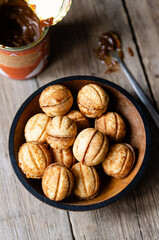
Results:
92 100
34 158
112 125
90 147
86 185
56 100
57 182
61 132
35 129
119 160
80 119
63 156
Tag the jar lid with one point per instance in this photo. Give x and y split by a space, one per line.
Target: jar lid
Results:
45 9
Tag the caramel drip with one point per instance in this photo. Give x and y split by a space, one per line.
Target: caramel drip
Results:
46 159
90 109
32 157
57 187
116 125
96 92
83 160
56 104
100 148
62 157
124 162
60 122
94 181
43 130
69 180
60 136
83 179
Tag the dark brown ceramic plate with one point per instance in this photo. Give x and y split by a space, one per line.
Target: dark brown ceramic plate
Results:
138 135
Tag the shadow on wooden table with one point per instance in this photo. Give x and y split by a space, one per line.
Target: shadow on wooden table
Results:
66 38
151 174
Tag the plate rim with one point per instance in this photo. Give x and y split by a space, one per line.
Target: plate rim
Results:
94 206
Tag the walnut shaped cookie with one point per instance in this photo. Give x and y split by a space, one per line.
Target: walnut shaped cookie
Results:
35 128
86 185
90 147
56 100
119 160
61 132
33 159
57 182
63 156
92 100
111 124
80 119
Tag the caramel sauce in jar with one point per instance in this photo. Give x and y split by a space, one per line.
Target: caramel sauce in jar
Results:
19 25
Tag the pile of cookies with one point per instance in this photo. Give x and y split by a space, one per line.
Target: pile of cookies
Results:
57 139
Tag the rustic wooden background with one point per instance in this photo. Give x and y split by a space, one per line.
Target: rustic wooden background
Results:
135 216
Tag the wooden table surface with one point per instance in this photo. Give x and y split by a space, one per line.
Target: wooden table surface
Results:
135 216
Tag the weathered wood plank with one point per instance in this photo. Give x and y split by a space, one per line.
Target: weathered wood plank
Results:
118 221
145 20
21 215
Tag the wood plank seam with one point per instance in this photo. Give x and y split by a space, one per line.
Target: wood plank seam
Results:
138 220
71 227
37 83
138 51
147 80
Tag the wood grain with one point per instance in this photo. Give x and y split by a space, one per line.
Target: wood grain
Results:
145 19
73 42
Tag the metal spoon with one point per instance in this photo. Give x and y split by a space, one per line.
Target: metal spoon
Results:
144 99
